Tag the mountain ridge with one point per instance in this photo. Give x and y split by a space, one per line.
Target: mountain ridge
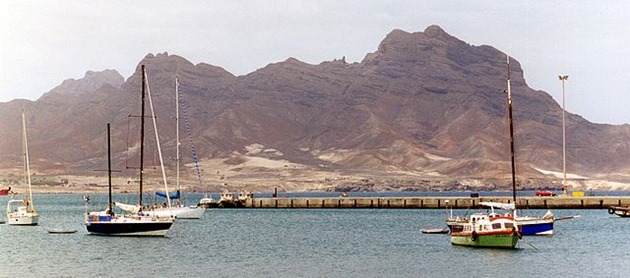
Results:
424 105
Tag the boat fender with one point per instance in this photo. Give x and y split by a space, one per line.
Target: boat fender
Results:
611 210
474 236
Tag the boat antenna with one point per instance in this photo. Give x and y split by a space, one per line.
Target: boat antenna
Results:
509 100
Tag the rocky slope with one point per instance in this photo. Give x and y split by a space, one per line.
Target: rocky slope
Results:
423 106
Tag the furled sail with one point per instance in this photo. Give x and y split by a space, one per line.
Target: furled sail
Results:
505 206
174 195
128 207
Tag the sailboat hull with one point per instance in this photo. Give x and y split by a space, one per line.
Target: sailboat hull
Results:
19 212
190 213
505 240
23 220
178 212
128 226
532 227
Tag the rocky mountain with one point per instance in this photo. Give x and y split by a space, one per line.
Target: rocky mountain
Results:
423 107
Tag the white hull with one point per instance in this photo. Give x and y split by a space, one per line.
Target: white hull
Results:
27 220
151 233
177 212
19 212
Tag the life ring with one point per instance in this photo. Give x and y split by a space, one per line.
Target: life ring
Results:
611 210
474 236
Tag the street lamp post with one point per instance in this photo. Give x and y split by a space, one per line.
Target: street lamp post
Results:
564 137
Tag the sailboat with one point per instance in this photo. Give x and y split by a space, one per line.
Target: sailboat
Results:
22 212
491 230
528 225
136 224
179 210
487 230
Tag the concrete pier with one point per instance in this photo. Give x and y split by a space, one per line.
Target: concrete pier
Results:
560 202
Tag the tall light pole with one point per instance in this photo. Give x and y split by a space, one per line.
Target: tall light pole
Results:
564 137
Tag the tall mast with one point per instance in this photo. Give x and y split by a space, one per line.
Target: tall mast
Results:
177 127
110 211
27 162
509 93
142 136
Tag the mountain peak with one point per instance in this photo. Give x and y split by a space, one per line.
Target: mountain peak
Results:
91 81
174 65
163 60
435 31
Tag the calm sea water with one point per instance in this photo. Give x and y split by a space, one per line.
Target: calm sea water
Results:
306 243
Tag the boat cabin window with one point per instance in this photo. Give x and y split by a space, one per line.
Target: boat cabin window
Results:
496 226
509 225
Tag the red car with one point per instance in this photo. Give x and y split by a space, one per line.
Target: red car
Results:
545 193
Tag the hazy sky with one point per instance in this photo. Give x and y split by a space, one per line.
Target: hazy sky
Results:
43 43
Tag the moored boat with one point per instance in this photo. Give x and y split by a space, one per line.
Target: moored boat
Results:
22 212
528 225
484 230
139 223
435 231
226 199
178 209
623 211
207 202
61 231
534 225
110 224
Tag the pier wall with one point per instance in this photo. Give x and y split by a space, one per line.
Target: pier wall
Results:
560 202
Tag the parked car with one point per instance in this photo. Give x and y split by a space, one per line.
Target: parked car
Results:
545 193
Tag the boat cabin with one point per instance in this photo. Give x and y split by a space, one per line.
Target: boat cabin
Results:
490 222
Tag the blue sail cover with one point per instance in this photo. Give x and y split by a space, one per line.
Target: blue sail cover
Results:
174 195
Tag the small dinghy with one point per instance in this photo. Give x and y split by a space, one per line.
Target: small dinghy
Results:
61 231
435 231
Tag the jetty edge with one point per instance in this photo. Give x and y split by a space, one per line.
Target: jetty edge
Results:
530 202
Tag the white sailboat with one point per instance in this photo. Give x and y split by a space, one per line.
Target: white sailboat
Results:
137 223
22 212
179 210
